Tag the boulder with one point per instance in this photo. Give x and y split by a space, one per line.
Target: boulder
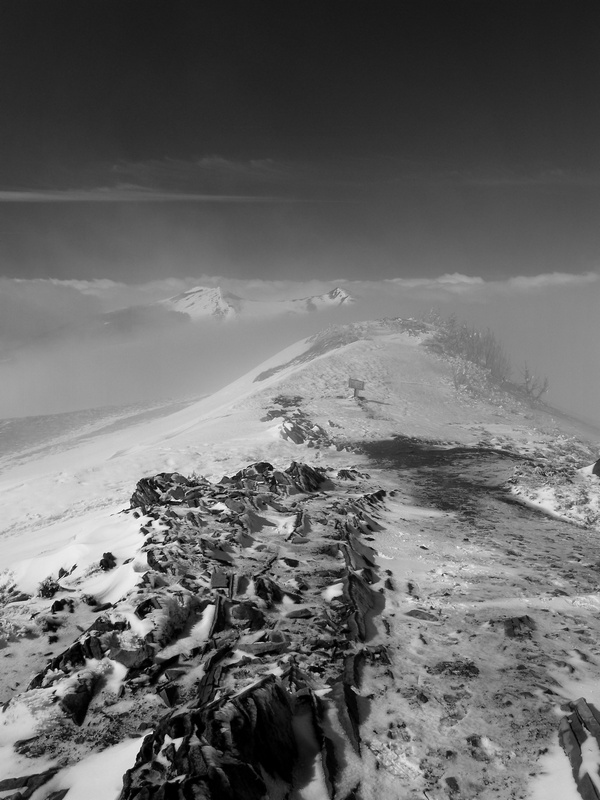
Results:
108 561
76 702
305 478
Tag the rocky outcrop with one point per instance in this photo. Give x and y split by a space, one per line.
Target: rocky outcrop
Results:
243 645
27 785
582 723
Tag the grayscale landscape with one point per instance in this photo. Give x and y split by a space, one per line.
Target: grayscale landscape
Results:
299 379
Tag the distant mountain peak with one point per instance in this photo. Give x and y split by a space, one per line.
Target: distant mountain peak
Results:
340 295
202 302
335 297
211 302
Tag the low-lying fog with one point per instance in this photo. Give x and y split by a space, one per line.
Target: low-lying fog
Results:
70 345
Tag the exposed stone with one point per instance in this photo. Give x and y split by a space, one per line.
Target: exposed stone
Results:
27 782
231 599
417 613
519 627
75 703
462 669
305 478
108 561
147 607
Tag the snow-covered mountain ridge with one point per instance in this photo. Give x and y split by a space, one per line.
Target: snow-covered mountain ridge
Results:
204 302
358 608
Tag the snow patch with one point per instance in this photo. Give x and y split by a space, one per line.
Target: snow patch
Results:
97 777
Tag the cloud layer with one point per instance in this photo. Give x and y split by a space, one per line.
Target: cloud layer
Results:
58 353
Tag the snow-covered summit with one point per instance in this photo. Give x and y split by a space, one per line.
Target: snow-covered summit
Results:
204 302
336 297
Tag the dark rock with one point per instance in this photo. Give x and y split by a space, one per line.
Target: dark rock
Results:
147 607
596 468
246 614
74 656
153 561
102 607
459 669
353 669
108 561
76 702
176 494
145 494
347 474
305 478
92 648
418 614
28 782
519 627
375 498
89 599
292 431
573 732
19 597
209 683
270 592
301 613
104 625
219 579
377 654
169 695
345 701
133 659
263 648
366 604
217 554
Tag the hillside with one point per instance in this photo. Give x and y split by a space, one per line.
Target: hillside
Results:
284 590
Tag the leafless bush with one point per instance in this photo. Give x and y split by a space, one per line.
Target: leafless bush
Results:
477 347
533 386
471 378
478 358
48 587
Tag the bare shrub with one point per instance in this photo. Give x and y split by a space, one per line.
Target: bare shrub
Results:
455 338
533 386
48 587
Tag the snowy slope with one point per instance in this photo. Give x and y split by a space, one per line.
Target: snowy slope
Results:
204 302
408 391
454 569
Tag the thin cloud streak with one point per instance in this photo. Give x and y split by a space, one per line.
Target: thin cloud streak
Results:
135 196
341 173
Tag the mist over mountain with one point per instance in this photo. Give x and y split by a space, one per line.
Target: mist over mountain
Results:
169 349
82 344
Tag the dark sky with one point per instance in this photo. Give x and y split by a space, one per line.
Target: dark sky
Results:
418 137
